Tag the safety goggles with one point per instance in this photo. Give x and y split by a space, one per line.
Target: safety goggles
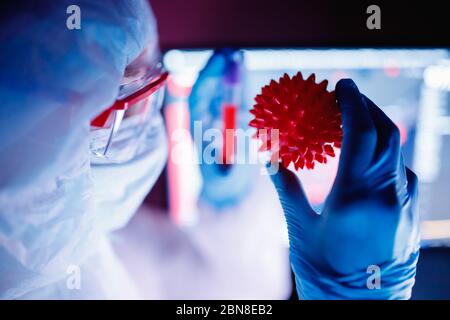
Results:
118 133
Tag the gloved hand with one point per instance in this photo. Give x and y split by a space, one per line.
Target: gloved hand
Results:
369 219
222 186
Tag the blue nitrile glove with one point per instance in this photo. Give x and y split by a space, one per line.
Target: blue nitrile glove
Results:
222 186
369 219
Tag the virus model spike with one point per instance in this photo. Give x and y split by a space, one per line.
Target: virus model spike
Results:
307 117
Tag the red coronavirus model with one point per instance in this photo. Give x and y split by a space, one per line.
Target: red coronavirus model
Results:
307 117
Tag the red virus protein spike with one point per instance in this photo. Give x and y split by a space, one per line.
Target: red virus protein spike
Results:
307 117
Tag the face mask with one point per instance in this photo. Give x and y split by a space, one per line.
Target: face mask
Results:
129 144
121 188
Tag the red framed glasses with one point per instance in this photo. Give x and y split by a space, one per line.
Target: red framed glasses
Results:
117 132
131 100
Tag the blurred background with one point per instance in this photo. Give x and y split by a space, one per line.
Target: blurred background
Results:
241 250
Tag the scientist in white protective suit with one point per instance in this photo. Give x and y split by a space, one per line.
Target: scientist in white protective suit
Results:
82 143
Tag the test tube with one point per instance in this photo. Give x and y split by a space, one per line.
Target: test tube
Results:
230 107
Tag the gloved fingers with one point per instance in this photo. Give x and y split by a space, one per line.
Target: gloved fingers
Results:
413 189
387 151
205 103
215 66
214 69
359 132
208 86
292 196
401 172
388 155
413 183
